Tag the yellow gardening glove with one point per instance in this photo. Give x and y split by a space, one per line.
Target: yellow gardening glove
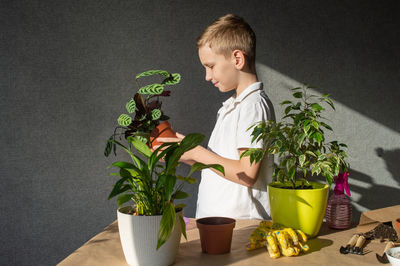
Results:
278 240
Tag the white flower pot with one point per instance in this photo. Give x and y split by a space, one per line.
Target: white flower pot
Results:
139 239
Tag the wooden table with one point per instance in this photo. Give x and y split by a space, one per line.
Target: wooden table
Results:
105 249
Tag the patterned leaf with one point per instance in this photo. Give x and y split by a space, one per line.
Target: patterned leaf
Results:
155 114
175 78
131 106
152 89
153 72
142 139
124 120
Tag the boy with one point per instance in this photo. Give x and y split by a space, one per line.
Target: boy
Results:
227 51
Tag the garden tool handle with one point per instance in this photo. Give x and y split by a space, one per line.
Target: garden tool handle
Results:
360 241
389 245
353 240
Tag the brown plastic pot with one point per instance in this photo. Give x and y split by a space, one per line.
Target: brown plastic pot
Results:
163 130
216 234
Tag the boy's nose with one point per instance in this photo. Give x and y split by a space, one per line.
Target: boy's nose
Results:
208 75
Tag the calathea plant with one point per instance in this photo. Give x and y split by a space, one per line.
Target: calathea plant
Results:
299 141
151 185
144 109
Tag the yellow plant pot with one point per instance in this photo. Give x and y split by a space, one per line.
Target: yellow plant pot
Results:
302 209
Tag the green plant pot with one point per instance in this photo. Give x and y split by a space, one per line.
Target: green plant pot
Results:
302 209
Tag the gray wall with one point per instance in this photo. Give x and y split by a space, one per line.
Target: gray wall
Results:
67 69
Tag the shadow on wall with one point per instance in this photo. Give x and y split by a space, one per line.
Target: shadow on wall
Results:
375 196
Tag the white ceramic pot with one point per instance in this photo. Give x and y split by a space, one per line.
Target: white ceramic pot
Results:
139 239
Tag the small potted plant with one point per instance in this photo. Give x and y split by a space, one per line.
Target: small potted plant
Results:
149 121
300 144
150 229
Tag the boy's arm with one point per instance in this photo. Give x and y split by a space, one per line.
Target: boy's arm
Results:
239 171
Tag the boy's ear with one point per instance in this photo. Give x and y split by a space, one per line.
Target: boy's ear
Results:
239 59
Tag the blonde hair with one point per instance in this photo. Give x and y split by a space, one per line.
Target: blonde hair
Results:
229 33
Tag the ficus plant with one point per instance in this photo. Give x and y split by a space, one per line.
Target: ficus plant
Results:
299 141
144 111
150 181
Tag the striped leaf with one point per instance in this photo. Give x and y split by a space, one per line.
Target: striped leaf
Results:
153 72
155 114
131 106
152 89
142 139
175 78
124 120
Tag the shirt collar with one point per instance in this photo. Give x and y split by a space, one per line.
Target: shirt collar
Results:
233 100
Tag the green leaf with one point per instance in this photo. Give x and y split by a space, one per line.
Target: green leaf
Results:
180 195
180 206
317 136
124 120
326 126
118 189
297 88
286 102
131 106
188 143
292 172
169 185
330 102
297 106
141 147
189 180
124 198
290 162
317 107
288 109
191 141
306 127
316 170
301 139
156 114
183 226
315 124
175 78
123 165
167 224
302 159
124 173
304 172
199 166
153 72
152 89
298 94
126 165
109 146
155 157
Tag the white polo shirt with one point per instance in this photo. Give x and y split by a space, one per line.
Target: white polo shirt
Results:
218 196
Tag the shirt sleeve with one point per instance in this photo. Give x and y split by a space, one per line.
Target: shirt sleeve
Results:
249 114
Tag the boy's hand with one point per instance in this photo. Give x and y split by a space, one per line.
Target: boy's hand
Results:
185 158
179 138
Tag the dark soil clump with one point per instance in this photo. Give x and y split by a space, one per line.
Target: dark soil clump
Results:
382 231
